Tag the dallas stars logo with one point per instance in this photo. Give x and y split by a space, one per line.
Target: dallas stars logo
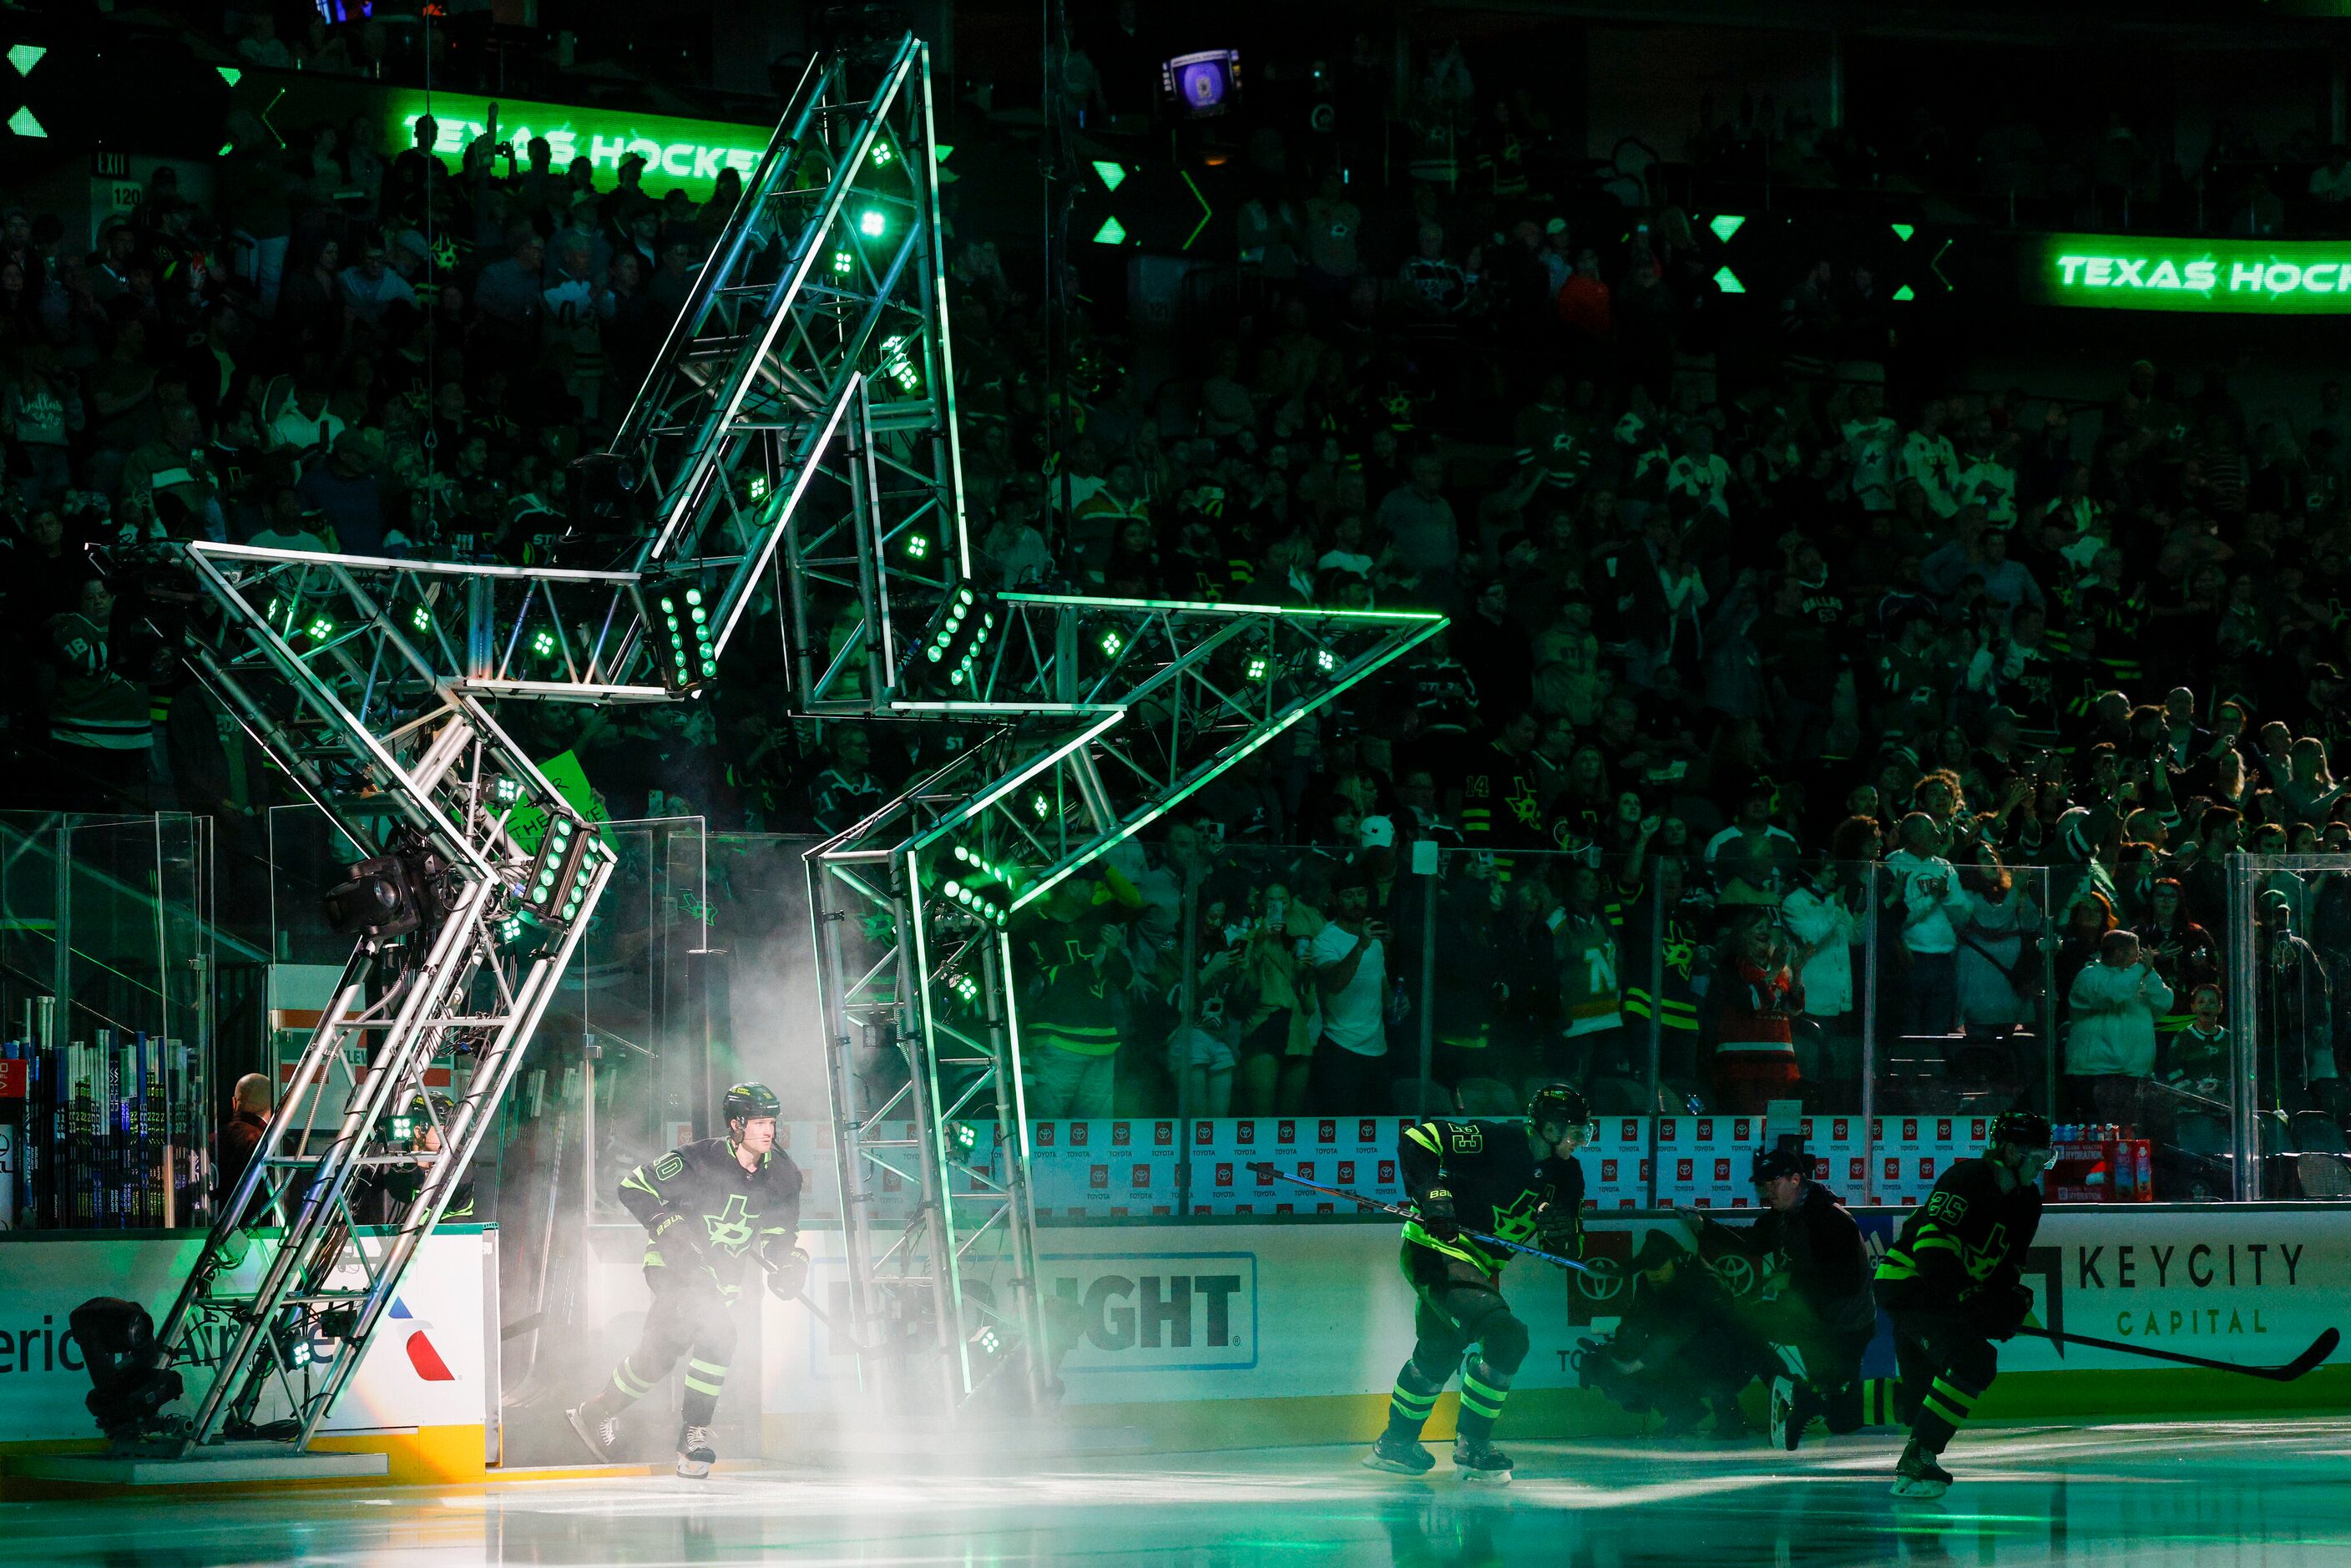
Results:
731 1230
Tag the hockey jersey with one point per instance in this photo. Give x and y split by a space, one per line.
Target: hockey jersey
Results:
1590 998
735 1214
1968 1234
1496 1180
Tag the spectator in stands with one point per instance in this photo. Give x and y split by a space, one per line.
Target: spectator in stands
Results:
1929 905
1350 966
2110 1046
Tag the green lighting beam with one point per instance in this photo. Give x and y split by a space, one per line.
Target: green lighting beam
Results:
1207 212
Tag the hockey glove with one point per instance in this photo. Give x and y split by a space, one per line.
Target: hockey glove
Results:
788 1272
680 1240
1557 1230
1998 1310
1436 1215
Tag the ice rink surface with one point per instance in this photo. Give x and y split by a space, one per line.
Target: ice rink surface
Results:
2243 1493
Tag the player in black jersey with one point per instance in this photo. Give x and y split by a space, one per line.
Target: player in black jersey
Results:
1520 1182
1953 1282
707 1209
1813 1304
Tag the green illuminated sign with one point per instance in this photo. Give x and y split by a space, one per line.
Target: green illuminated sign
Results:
2227 277
684 152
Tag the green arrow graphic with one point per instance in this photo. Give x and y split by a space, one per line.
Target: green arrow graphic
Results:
1206 211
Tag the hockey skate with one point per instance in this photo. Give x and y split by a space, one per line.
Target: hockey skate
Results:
1917 1475
1399 1455
598 1427
1480 1463
1789 1413
694 1454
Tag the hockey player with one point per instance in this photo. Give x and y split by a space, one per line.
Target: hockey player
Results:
705 1208
1518 1181
1952 1284
1814 1307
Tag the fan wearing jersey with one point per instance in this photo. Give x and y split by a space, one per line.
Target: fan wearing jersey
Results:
1518 1181
1953 1282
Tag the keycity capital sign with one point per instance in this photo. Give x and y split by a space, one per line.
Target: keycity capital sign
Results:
2132 271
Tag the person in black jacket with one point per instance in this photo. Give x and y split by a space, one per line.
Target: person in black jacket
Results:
707 1208
238 1139
1813 1303
1518 1181
1953 1282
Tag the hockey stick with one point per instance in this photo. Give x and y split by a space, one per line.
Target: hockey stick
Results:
2320 1348
1264 1167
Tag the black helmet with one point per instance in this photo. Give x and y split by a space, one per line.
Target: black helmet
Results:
1557 1105
748 1103
2020 1129
1783 1161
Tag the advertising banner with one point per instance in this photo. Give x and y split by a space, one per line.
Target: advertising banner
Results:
688 154
1219 1311
2222 276
427 1366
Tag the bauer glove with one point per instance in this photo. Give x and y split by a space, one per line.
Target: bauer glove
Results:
1436 1215
788 1271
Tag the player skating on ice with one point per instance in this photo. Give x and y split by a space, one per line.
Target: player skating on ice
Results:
1813 1305
1515 1180
1952 1283
707 1209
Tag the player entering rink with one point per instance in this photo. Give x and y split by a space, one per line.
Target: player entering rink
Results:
1513 1180
705 1208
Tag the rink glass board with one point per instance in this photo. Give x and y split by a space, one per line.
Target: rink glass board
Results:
1256 1322
2135 272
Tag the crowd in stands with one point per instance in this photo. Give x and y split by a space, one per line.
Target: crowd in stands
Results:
1767 712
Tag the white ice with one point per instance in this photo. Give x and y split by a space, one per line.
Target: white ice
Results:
2247 1493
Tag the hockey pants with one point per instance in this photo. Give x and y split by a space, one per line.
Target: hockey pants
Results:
691 1316
1946 1364
1460 1306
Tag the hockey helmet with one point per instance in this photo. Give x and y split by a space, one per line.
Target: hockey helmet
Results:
2020 1129
1557 1105
749 1102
